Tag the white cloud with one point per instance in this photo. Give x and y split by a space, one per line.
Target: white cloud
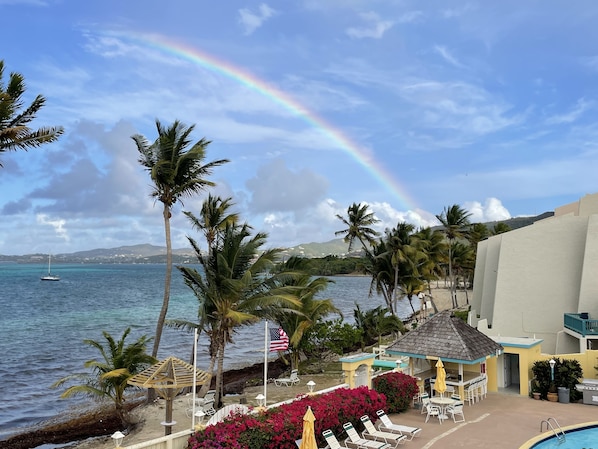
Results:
251 21
375 27
572 115
446 55
491 210
57 224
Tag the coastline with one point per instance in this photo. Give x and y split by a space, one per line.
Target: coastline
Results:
149 416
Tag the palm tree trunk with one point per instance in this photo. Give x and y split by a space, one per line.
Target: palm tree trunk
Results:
167 281
220 372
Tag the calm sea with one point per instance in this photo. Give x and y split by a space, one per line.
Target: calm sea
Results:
43 325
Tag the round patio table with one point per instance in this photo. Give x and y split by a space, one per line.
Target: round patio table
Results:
442 403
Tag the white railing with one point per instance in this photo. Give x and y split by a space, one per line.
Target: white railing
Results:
177 440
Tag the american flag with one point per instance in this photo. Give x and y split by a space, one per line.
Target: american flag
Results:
279 341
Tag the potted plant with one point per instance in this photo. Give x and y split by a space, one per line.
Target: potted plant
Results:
535 393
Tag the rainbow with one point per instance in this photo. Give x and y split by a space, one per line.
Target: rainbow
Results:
283 99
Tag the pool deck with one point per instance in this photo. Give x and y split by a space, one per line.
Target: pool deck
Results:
502 420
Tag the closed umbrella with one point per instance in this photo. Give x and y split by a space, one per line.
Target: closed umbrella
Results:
308 439
440 384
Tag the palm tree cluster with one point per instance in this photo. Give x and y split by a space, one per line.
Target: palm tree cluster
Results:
239 284
403 261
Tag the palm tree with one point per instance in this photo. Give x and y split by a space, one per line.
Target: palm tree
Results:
213 219
309 312
433 245
176 172
236 288
500 228
374 323
380 268
455 224
15 133
358 220
110 375
463 263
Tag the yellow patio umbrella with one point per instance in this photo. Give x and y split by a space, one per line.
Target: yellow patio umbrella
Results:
440 383
308 439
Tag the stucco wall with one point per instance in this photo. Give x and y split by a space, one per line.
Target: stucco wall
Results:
533 275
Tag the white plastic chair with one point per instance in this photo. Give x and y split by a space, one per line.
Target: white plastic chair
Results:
456 410
293 379
425 401
434 410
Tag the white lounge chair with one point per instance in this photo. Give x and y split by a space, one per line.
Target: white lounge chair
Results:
358 442
388 426
331 440
393 439
293 379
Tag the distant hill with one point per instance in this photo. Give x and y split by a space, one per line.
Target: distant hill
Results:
146 253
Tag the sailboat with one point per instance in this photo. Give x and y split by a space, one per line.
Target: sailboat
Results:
50 276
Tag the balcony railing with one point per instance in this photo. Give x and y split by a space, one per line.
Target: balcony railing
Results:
581 323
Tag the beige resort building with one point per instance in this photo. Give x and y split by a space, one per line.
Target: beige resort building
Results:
536 289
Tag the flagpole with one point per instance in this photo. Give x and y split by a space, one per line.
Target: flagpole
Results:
194 376
265 362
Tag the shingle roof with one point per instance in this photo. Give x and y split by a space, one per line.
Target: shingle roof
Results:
448 337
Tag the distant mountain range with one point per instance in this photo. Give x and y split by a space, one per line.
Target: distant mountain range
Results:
146 253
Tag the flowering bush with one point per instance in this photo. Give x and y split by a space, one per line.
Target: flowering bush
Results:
398 388
279 427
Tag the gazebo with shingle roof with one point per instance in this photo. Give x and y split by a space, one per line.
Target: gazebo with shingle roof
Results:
447 337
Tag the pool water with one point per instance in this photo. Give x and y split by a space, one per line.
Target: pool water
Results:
581 438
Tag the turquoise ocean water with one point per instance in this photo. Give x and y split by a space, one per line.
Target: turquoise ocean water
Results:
43 325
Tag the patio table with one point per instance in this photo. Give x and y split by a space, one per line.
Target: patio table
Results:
443 403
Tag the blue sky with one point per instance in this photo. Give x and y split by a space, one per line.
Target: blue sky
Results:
489 105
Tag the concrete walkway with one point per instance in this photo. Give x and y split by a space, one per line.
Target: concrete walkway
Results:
502 420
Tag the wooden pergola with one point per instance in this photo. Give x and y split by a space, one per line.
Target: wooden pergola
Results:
168 378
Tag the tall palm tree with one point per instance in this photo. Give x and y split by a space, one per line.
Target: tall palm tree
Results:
110 374
433 244
455 224
236 288
15 133
463 263
403 251
358 222
176 171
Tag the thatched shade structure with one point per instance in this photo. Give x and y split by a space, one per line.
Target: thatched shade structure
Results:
447 337
168 378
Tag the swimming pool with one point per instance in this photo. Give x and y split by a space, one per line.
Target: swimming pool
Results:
579 436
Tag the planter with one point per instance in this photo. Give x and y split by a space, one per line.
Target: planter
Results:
552 397
536 395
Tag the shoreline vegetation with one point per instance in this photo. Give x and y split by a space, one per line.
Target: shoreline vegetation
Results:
93 426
